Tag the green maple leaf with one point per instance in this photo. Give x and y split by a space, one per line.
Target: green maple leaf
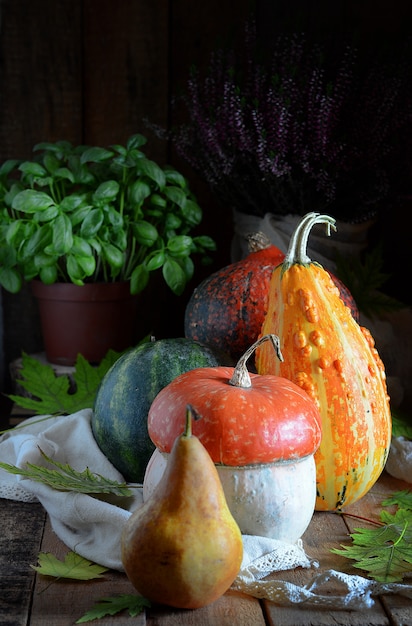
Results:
402 499
73 566
65 478
52 394
384 552
115 604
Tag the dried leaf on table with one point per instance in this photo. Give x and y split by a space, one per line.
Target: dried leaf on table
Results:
73 566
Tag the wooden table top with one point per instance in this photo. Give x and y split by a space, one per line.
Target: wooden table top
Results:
29 599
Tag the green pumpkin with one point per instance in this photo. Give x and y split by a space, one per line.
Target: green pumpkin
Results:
123 400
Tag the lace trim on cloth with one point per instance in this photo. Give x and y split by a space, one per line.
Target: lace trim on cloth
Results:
357 591
16 492
263 556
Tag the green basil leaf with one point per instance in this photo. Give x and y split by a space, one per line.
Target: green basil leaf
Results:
87 263
51 162
139 191
81 247
62 234
60 147
113 256
8 256
114 217
172 222
174 177
174 276
139 279
106 192
36 243
79 214
176 195
203 242
74 270
145 233
152 170
12 232
91 223
65 174
192 213
156 260
9 195
31 201
75 203
42 260
33 169
180 245
96 155
8 166
117 237
188 267
48 274
158 200
10 279
136 141
47 215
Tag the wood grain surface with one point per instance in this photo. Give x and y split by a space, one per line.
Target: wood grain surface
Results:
27 599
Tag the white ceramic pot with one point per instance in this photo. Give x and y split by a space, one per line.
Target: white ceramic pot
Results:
274 500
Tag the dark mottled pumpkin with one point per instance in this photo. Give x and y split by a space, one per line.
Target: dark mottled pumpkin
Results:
227 308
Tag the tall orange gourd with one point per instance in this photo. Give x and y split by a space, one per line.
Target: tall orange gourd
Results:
334 359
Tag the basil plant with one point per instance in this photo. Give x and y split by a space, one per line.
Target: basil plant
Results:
85 214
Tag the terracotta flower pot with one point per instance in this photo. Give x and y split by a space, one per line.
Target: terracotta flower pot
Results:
87 320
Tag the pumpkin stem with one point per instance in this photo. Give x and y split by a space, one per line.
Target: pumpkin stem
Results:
241 376
298 244
257 241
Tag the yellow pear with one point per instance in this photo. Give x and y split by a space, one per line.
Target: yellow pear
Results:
182 547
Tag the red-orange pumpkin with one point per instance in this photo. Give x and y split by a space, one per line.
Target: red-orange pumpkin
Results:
334 360
227 309
246 418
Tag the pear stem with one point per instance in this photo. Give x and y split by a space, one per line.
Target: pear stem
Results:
191 414
188 425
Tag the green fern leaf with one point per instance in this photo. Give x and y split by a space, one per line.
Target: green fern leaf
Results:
65 478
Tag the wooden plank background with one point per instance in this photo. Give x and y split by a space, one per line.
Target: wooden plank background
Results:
91 70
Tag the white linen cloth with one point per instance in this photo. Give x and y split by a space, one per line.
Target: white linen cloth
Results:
399 463
91 526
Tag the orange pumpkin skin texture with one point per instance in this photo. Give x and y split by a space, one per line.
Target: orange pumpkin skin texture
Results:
247 419
334 360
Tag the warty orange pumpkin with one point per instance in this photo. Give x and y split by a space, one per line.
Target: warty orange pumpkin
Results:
335 361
